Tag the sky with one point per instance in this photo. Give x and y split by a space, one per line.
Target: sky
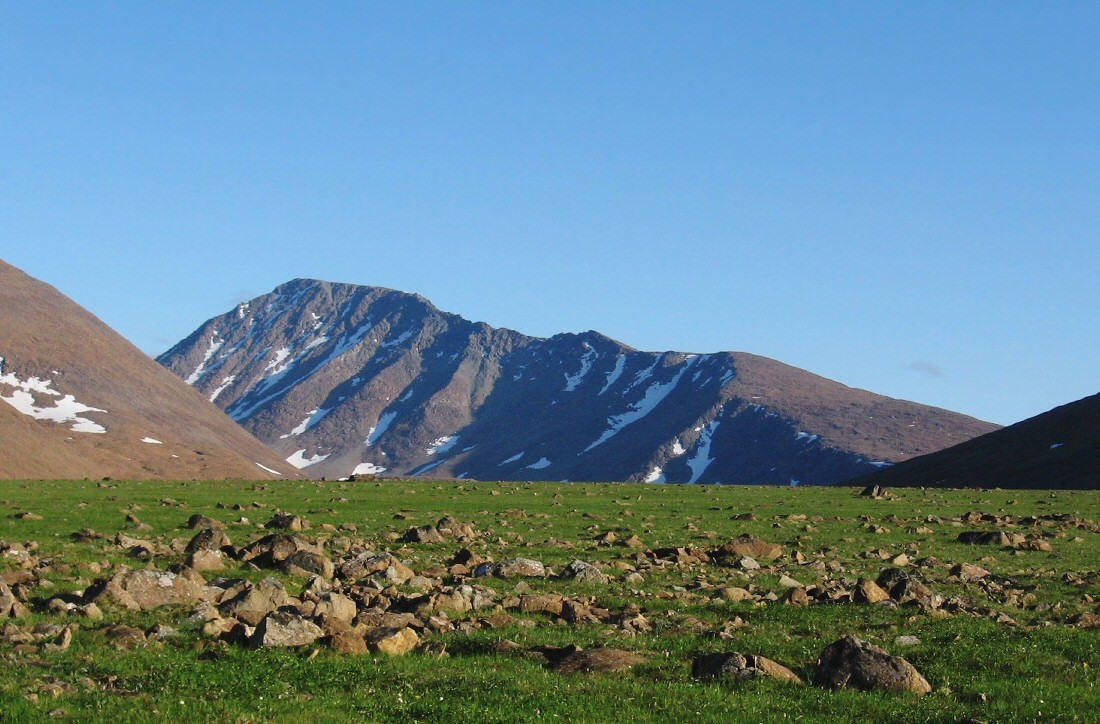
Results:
904 197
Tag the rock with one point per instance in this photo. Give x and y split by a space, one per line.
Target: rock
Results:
348 641
147 589
751 546
308 563
795 597
875 491
208 539
392 641
867 591
969 572
519 568
788 582
256 601
206 560
7 600
748 564
125 637
545 603
907 641
451 528
423 534
285 628
584 572
336 606
985 538
739 666
735 594
857 663
199 520
286 521
599 659
271 550
371 564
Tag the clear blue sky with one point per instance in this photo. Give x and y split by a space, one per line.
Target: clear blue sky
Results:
904 197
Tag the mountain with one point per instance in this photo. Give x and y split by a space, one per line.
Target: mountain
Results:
1057 449
342 378
79 401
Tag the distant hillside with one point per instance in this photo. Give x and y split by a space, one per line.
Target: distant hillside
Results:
80 401
1057 449
342 378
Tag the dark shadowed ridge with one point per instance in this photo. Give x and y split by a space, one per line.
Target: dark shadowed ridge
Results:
340 378
1056 449
58 360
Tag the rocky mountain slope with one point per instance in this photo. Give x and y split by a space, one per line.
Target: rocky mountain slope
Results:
1057 449
342 378
80 401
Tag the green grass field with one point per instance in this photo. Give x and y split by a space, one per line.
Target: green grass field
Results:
1006 652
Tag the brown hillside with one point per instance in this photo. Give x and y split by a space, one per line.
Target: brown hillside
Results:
45 335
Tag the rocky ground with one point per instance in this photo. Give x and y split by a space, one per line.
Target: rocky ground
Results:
828 600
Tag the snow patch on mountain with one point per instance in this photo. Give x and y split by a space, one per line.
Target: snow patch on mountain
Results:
512 459
299 459
654 395
614 375
226 382
656 475
63 411
368 469
151 441
701 460
443 445
215 345
572 381
379 429
315 416
539 464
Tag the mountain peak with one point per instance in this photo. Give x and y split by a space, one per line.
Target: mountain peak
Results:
341 378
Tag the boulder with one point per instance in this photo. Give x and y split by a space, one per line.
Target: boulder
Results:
146 589
336 606
256 601
285 628
198 520
739 666
208 539
584 572
206 560
271 550
423 534
308 563
969 572
371 564
862 665
515 568
751 546
867 591
598 659
392 641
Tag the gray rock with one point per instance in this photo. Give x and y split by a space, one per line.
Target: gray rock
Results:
285 628
739 666
862 665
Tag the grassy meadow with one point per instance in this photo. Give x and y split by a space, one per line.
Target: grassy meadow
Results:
1007 652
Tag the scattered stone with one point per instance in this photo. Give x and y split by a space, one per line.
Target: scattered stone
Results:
862 665
750 546
598 659
735 594
584 572
147 589
286 521
423 534
208 539
285 628
867 591
739 666
392 641
969 572
199 520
